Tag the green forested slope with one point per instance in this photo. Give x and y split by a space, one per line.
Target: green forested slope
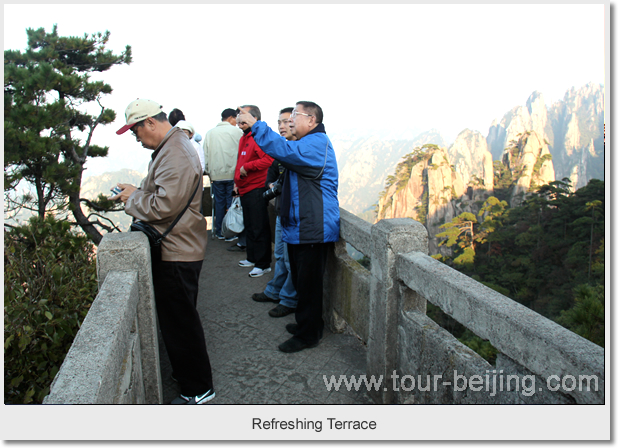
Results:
547 254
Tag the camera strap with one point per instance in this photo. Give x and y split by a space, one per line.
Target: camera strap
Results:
169 229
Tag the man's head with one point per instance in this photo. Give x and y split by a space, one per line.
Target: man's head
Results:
305 118
187 127
175 116
229 115
147 122
254 111
284 123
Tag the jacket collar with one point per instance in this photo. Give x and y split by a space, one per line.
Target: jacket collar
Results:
318 129
165 139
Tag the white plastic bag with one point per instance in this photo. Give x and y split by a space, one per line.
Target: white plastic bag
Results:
233 222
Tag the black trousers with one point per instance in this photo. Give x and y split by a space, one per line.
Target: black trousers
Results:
175 288
257 228
308 263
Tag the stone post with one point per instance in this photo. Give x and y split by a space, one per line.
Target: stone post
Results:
130 251
389 238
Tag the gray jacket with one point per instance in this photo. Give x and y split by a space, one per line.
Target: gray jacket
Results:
173 173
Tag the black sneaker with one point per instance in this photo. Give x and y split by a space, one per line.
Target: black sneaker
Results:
237 248
261 297
293 329
198 399
280 311
294 345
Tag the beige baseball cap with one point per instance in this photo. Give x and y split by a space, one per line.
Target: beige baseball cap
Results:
139 110
182 124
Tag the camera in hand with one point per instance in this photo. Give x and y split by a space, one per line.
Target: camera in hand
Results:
274 191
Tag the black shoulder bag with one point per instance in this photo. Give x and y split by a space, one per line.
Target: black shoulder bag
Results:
154 237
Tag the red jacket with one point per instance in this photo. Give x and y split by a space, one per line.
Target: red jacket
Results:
256 165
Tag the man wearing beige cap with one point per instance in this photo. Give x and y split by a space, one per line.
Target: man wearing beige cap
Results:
174 173
190 131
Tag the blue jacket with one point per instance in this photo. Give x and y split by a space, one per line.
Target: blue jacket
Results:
309 203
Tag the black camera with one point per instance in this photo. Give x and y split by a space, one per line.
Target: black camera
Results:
274 191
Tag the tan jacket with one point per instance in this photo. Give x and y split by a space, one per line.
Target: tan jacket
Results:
221 151
172 175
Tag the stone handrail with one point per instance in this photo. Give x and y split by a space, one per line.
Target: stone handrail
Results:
114 358
386 308
528 338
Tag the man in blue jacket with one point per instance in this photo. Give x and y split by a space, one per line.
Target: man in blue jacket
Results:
309 212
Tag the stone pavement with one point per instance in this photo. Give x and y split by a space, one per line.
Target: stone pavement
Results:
242 341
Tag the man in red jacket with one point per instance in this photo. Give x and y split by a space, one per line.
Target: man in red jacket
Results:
249 181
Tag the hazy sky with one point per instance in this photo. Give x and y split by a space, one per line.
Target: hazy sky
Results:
395 69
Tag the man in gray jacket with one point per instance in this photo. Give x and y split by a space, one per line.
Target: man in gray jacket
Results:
173 175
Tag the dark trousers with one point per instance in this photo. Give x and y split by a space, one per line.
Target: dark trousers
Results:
222 190
308 263
257 228
175 288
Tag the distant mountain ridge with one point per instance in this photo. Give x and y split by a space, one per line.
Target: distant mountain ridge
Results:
571 130
572 127
364 164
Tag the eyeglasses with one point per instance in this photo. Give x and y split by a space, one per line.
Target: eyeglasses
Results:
299 113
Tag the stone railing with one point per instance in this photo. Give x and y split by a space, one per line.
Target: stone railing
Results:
114 358
386 308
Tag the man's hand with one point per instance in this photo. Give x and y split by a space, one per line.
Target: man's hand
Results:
243 171
127 190
245 117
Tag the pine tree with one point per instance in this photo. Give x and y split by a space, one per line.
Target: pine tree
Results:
460 232
46 89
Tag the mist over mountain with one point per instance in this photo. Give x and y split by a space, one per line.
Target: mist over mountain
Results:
364 164
572 128
537 145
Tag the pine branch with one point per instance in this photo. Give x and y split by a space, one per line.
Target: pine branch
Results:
92 127
96 207
103 226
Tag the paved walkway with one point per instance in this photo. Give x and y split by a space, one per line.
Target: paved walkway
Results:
242 341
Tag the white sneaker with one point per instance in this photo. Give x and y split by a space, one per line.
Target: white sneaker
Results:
199 399
257 272
245 264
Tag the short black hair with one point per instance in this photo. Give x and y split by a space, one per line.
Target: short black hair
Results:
286 110
161 117
227 113
312 109
255 111
175 116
